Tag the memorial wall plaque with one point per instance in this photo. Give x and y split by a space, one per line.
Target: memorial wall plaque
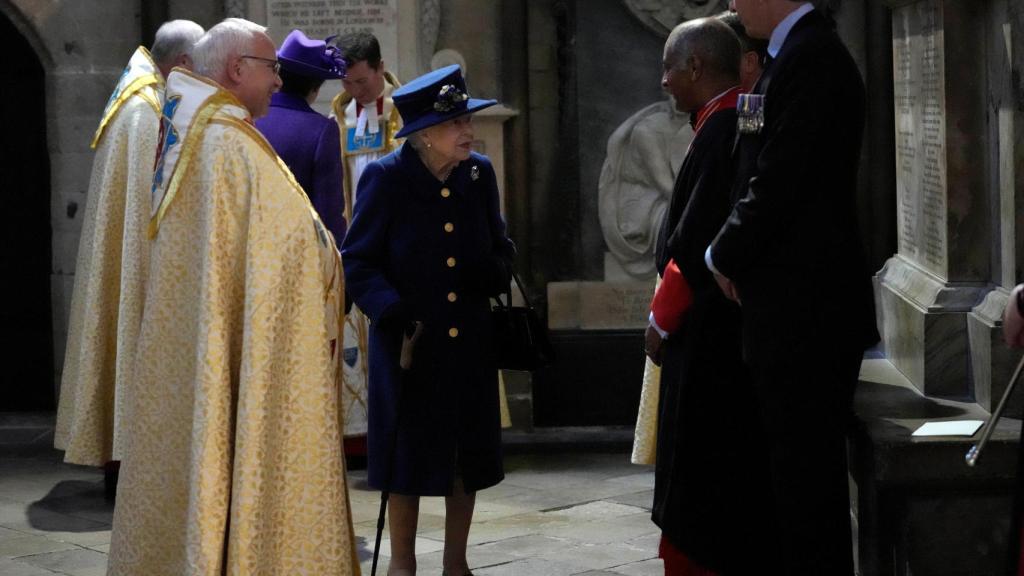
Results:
920 103
323 18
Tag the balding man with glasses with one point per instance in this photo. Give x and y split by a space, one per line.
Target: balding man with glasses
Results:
236 466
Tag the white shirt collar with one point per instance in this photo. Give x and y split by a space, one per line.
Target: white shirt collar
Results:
782 30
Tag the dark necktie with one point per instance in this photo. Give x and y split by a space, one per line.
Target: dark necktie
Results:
768 59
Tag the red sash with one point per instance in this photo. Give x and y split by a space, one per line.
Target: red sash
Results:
671 299
674 295
723 101
380 107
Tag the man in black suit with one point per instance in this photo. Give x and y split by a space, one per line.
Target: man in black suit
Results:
791 254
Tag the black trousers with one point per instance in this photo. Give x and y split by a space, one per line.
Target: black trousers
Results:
806 404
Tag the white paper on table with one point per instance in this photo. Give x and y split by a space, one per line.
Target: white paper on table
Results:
955 428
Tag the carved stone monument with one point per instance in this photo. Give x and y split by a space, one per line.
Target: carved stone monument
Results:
644 155
941 271
626 181
323 18
956 66
407 29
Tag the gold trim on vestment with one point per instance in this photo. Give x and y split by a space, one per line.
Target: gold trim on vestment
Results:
129 90
195 132
196 129
152 100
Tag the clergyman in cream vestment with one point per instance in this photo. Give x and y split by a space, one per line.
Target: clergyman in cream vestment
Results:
106 305
235 463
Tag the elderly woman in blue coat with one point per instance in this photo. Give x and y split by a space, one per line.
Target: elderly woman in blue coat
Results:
427 245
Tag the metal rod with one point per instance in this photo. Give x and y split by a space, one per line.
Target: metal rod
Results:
975 452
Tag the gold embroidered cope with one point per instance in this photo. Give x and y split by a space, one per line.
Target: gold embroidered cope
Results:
234 463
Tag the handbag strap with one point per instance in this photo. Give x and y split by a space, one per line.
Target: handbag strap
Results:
519 284
508 293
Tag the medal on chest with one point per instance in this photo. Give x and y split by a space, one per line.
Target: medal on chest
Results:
750 113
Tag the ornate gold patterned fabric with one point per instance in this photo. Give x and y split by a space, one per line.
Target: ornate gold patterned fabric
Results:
645 439
506 416
140 73
234 464
106 305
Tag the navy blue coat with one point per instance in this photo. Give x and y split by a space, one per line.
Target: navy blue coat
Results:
420 249
309 144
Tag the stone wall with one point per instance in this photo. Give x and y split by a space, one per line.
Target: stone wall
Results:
82 61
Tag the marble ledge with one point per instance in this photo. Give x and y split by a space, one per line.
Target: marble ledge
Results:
927 291
888 408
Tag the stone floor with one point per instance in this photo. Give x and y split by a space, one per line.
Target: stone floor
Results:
555 514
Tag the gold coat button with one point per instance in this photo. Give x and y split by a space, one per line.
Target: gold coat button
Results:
451 262
453 332
452 297
448 227
445 192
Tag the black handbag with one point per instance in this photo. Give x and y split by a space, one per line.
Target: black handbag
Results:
520 339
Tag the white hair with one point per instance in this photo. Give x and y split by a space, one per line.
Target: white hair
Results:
415 140
174 39
232 37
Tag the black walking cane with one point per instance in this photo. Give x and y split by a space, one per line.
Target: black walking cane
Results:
404 364
975 452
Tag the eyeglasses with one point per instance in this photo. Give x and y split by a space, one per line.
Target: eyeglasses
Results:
275 65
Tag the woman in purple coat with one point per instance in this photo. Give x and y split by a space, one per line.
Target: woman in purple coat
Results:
306 140
427 246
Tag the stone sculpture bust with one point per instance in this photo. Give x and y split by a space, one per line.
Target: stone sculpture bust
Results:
643 158
644 154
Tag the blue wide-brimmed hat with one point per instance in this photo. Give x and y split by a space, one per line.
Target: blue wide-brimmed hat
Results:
305 57
433 98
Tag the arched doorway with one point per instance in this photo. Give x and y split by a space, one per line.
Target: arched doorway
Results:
26 327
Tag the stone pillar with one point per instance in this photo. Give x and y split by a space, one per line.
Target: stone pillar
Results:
942 270
204 12
992 361
489 128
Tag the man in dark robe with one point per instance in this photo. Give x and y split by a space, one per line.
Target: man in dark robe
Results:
711 495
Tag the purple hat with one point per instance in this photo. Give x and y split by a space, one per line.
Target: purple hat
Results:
304 57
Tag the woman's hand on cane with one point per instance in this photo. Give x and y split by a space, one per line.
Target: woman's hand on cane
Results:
409 344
